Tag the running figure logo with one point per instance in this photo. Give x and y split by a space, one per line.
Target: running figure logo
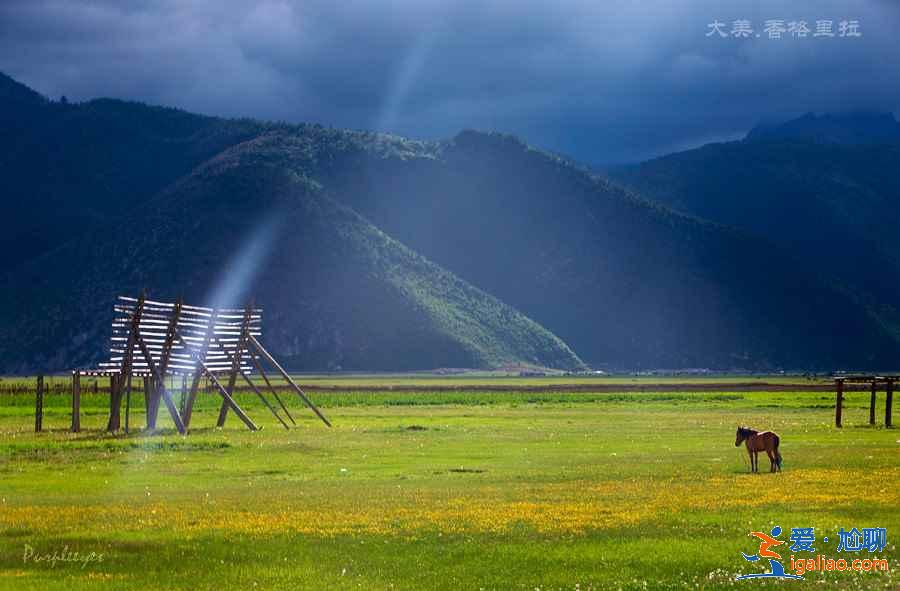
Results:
766 542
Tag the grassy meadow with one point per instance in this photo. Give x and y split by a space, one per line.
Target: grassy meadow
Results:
440 490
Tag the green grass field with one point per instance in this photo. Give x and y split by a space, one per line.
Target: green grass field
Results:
442 490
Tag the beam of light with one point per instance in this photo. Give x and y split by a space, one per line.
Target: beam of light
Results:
407 73
237 277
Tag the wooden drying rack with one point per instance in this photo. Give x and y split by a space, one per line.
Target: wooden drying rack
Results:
152 340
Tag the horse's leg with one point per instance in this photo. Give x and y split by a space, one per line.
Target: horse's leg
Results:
756 461
771 460
752 462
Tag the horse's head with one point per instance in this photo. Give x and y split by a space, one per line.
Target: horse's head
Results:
740 436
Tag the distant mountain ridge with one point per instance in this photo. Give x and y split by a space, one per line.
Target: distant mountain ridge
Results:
841 128
376 252
621 279
75 167
831 202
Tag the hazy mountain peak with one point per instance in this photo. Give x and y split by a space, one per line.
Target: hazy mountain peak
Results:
840 128
16 92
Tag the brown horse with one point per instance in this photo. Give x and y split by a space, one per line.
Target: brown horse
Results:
758 441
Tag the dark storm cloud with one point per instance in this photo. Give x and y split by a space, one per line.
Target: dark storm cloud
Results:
602 80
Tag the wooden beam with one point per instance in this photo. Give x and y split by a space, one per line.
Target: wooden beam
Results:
263 398
113 423
872 403
222 392
167 398
76 402
265 378
839 402
888 402
198 359
284 374
235 362
127 361
234 405
127 403
39 405
164 357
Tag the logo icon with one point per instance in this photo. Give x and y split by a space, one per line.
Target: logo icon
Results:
767 542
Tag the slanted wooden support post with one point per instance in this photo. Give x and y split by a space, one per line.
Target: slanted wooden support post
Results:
284 374
265 378
198 371
872 402
39 405
888 402
161 385
237 409
127 363
235 362
839 401
76 401
263 398
222 392
165 356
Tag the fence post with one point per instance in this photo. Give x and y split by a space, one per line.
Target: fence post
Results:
39 406
888 401
114 408
839 401
872 403
76 401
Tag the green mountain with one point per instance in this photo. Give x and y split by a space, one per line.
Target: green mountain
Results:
370 251
624 281
831 203
337 292
70 168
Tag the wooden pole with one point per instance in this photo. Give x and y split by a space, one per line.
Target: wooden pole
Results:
235 362
127 403
39 405
198 371
259 368
222 392
285 375
888 402
113 423
872 403
234 406
839 401
263 398
161 384
76 401
127 363
164 357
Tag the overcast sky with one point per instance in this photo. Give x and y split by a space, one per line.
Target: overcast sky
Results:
601 80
